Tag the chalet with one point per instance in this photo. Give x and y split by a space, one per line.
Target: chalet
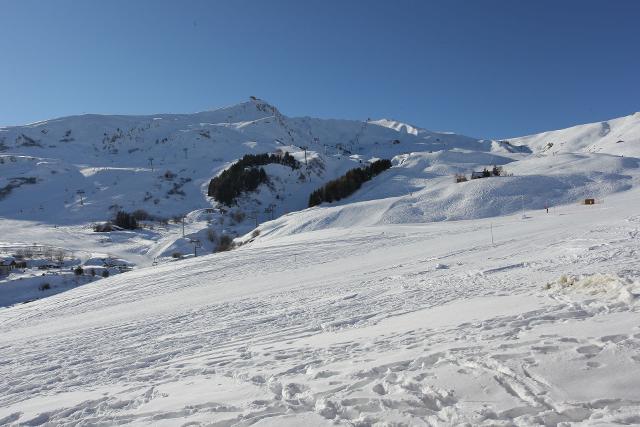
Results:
7 264
589 201
496 171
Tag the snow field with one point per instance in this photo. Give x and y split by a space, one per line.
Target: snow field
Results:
416 301
421 324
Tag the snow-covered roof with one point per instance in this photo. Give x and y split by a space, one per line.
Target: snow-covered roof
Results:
7 260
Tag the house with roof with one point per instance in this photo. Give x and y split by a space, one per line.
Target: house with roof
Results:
7 263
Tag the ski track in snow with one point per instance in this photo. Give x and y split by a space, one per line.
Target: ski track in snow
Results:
413 324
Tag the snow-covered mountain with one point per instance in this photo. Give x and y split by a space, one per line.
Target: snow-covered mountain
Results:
616 137
61 176
78 170
417 300
162 163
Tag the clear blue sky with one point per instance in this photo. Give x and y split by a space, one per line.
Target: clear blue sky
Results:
483 68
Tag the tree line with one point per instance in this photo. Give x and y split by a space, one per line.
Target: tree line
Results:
246 175
348 183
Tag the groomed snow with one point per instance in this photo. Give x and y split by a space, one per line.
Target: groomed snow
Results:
420 324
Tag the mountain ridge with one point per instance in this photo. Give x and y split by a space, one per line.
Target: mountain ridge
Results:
80 170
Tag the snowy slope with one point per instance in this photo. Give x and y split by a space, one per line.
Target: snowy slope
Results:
415 301
426 324
162 163
591 161
84 168
619 136
60 176
420 189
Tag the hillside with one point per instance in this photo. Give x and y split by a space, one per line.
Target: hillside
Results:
424 324
619 136
416 300
71 172
162 163
546 170
62 176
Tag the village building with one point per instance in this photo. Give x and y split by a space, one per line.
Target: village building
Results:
7 264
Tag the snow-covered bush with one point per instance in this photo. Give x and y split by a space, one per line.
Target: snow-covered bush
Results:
225 243
103 227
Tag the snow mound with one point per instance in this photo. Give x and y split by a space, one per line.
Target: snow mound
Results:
609 286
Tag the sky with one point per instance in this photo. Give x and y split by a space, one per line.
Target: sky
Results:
484 68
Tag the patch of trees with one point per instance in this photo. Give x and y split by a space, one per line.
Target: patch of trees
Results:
26 141
348 183
15 183
126 220
246 175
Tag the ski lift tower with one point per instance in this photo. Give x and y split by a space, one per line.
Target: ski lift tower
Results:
254 215
196 244
270 209
81 193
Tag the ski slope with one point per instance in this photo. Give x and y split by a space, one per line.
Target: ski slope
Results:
618 137
415 324
415 301
420 189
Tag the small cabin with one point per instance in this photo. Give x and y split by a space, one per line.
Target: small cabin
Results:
7 264
486 173
589 201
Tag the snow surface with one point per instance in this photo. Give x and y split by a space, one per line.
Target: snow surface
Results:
416 301
417 324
